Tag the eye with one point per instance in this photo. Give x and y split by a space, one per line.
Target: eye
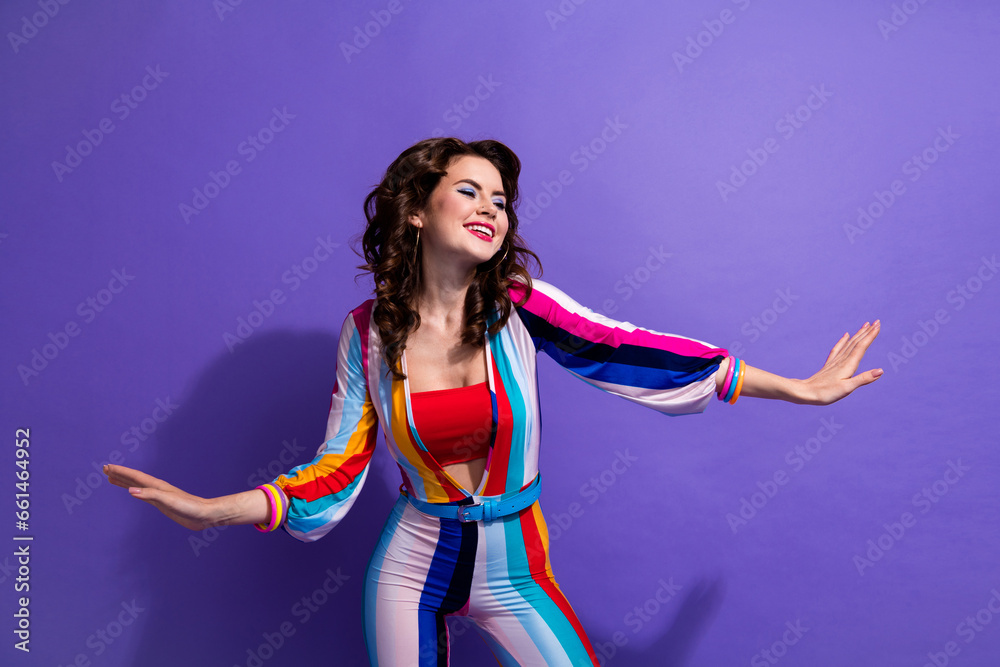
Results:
499 203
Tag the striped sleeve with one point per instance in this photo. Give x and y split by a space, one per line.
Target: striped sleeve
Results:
320 493
669 373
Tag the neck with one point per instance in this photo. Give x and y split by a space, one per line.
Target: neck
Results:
441 296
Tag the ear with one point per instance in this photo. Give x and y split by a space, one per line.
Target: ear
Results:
415 219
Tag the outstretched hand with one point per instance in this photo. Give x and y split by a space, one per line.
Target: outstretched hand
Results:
837 379
187 510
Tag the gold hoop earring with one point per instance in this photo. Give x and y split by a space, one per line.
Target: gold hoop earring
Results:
500 262
416 246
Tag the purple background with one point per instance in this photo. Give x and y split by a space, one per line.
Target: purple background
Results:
672 130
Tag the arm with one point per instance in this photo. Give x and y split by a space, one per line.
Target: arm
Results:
317 494
833 382
320 493
189 510
669 373
240 508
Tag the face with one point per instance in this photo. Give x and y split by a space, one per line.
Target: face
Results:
465 219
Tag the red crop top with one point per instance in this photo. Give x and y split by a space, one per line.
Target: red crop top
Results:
454 424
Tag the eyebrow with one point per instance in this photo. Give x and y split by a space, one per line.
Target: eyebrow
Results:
479 187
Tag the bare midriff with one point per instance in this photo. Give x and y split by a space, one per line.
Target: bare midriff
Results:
468 473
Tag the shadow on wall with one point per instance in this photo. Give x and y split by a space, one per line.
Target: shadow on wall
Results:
674 647
234 596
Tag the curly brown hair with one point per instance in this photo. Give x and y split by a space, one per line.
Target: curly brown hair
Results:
390 244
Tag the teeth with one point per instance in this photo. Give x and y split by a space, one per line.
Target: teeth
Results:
482 228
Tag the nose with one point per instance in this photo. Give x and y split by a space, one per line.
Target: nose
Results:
489 208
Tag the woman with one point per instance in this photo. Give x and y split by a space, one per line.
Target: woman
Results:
443 358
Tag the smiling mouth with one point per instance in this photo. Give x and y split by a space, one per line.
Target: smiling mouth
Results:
481 230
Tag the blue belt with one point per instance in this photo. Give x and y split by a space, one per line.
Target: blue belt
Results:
487 509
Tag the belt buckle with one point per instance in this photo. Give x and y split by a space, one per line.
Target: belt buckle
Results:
462 515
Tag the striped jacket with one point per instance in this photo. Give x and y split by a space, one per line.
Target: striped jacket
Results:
669 373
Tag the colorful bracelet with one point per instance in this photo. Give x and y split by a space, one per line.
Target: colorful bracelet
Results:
729 378
730 390
277 506
732 385
739 383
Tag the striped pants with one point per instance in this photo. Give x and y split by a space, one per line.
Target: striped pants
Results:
495 573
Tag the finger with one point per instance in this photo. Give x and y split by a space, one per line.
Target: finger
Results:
120 480
118 472
867 377
837 348
860 332
116 475
873 329
149 495
125 477
126 481
864 333
848 345
152 497
859 346
869 337
167 504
